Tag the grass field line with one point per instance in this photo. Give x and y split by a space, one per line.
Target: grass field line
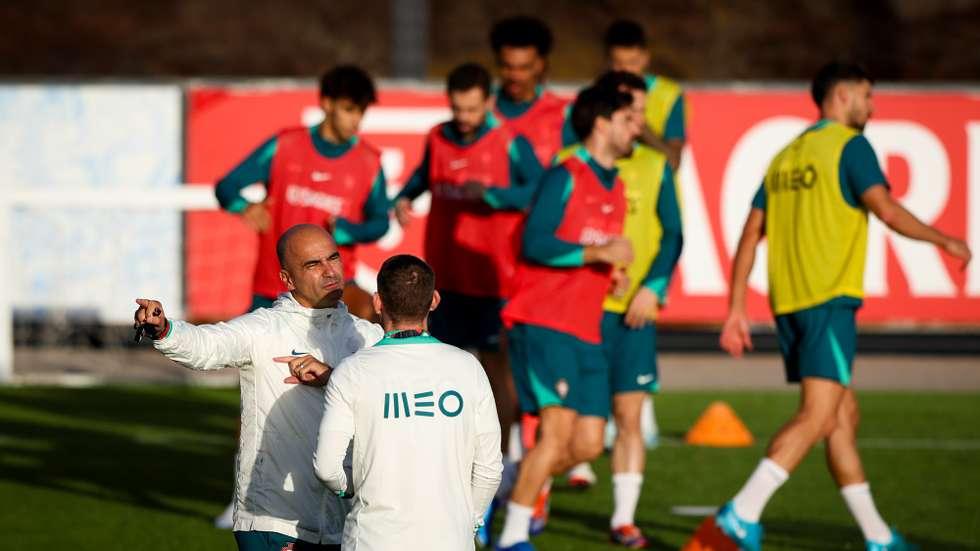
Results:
877 443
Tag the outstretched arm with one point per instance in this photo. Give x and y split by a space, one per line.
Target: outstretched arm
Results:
203 347
900 220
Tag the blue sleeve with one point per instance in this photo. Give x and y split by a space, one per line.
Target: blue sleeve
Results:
525 172
375 223
671 239
547 211
759 200
418 183
859 170
674 129
254 168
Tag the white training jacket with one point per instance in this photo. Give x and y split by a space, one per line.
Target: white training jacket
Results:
426 445
276 489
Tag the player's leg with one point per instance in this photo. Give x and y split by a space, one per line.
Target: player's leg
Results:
555 432
631 354
359 302
843 458
587 444
815 419
628 463
802 339
540 360
844 463
588 395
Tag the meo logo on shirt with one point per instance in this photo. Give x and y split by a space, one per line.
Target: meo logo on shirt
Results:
450 404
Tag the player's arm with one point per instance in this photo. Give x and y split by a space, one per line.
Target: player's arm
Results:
653 290
337 430
879 201
542 246
199 347
675 134
866 181
735 335
672 142
375 223
525 172
487 465
671 238
253 169
416 185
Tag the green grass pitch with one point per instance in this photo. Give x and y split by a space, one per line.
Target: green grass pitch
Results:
148 468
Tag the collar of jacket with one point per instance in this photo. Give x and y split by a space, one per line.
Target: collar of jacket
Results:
319 317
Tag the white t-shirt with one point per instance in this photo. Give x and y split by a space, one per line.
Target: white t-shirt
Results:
425 457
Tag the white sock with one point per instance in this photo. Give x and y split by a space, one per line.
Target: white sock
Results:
626 493
517 525
862 506
515 448
507 479
752 498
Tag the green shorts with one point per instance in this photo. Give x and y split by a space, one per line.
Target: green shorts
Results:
467 322
273 541
631 353
819 341
552 368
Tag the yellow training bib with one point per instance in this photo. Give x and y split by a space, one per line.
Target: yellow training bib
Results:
661 96
817 241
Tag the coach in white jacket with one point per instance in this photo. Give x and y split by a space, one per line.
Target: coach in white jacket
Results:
426 440
278 499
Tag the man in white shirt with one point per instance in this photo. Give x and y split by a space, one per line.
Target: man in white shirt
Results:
279 503
425 457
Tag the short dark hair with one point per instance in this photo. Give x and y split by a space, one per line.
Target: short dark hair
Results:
521 31
406 284
624 33
468 76
348 82
617 80
834 73
595 102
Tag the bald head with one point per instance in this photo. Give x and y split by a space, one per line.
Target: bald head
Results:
300 233
311 266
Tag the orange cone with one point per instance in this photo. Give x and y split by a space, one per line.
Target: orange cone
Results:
709 538
719 426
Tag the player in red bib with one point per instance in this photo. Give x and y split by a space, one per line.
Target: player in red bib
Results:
571 246
521 46
481 177
324 175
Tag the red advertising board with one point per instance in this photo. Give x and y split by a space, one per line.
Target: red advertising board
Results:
928 143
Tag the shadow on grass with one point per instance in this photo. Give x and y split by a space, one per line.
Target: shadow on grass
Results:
598 522
164 446
181 408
